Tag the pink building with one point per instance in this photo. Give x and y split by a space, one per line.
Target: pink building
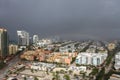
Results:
67 60
42 57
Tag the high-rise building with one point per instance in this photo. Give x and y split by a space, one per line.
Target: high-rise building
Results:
23 38
3 43
35 38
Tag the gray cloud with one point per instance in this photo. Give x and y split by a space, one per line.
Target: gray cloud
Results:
78 19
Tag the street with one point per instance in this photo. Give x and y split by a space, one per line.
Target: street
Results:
12 62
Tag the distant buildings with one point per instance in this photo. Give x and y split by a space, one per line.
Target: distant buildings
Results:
3 43
35 39
117 61
23 38
90 58
55 39
44 42
70 47
13 49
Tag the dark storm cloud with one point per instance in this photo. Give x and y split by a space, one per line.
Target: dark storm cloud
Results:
70 19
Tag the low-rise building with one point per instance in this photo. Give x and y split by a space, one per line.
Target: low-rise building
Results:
80 68
64 57
44 42
114 77
42 66
90 58
38 54
68 47
117 61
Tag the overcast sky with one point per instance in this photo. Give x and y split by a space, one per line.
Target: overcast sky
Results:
69 19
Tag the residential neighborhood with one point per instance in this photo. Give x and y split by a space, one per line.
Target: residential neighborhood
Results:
59 40
76 60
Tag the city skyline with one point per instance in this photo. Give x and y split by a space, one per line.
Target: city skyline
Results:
59 40
76 20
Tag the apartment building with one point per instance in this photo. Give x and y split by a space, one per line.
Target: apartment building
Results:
90 58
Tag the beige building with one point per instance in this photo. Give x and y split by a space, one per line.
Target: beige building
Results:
13 49
65 57
111 46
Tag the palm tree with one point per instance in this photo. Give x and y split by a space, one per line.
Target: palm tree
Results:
56 76
62 71
67 77
36 78
53 78
25 78
70 71
83 75
75 75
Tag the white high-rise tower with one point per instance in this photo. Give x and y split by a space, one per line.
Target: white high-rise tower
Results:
35 38
23 38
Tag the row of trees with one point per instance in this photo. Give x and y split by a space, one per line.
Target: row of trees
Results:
66 75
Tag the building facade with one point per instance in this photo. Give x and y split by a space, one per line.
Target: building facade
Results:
90 58
68 48
13 49
3 43
117 61
35 39
44 42
23 38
